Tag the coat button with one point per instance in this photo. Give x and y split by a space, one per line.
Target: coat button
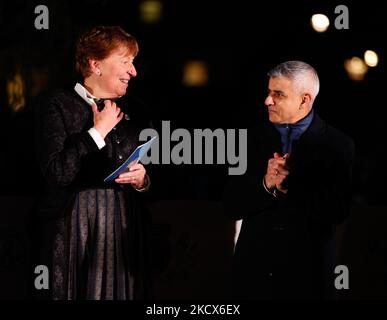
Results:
118 141
114 128
120 157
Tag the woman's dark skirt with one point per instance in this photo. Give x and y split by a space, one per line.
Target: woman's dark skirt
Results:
99 249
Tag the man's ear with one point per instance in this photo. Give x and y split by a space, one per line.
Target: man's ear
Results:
305 100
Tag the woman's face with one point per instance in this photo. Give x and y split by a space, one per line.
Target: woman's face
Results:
116 71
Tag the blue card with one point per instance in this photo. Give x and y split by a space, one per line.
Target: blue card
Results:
134 158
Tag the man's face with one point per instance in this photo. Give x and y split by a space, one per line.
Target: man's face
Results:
283 101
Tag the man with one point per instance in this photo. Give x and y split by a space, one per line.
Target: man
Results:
295 190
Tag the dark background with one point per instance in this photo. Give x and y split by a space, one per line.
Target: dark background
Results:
240 41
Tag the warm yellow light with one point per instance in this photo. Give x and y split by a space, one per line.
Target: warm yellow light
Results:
320 22
151 11
16 92
195 74
371 58
356 68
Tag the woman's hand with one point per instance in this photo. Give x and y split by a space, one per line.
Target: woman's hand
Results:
107 119
135 176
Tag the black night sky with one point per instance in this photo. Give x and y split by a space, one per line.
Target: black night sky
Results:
240 41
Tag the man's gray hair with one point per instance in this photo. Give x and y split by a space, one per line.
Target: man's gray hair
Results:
303 75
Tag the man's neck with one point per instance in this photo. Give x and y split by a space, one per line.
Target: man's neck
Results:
300 117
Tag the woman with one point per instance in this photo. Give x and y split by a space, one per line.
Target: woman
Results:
95 231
